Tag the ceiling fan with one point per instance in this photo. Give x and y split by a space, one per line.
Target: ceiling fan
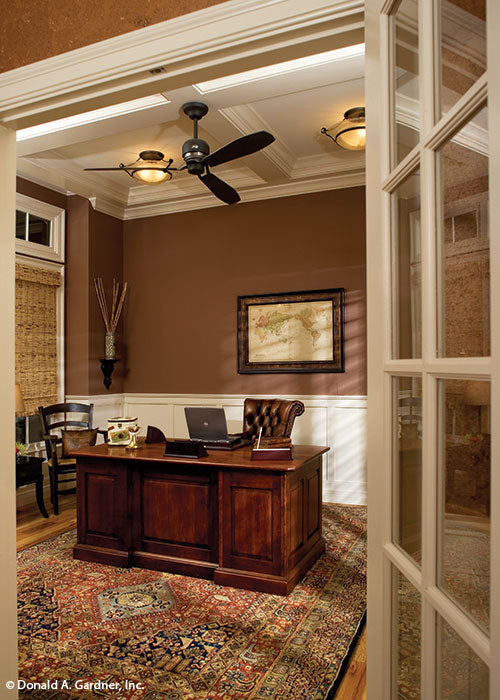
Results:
152 168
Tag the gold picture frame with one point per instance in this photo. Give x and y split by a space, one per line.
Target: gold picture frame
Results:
291 332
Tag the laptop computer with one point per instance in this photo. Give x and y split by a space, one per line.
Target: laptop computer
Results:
208 425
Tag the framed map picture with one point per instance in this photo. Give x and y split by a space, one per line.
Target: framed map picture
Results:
293 332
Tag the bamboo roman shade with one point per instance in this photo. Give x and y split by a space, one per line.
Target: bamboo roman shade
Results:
36 335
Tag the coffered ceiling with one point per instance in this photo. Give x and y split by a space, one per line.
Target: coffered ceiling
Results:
293 103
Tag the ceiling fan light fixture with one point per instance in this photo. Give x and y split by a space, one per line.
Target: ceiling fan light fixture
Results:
150 168
351 132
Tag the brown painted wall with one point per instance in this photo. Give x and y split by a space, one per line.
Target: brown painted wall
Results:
53 27
186 270
94 248
43 194
77 297
106 261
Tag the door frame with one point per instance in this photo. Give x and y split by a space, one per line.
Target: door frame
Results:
226 38
382 553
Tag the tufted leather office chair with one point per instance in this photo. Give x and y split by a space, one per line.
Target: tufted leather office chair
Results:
276 417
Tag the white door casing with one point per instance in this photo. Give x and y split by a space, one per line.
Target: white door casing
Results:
385 556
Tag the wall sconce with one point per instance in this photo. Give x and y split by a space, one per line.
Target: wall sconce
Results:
351 132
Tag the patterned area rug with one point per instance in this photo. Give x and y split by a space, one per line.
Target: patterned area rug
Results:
97 631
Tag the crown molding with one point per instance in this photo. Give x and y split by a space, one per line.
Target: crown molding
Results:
43 183
105 206
288 189
143 201
64 175
224 33
171 197
189 186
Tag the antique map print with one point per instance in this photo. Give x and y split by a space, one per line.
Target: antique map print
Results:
294 332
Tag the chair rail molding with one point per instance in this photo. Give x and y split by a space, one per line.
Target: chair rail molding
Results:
336 421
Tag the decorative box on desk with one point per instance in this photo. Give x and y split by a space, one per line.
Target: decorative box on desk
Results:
272 448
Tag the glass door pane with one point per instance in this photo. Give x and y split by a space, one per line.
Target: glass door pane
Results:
407 266
405 99
463 47
406 642
407 460
464 518
465 246
461 673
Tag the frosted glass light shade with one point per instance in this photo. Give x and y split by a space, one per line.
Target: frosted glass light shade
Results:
150 177
155 173
351 132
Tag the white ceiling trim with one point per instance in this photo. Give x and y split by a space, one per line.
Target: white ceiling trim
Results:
104 206
288 189
64 172
311 166
246 120
43 183
170 198
293 66
93 116
221 34
190 186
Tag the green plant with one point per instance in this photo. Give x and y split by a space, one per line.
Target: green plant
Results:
20 448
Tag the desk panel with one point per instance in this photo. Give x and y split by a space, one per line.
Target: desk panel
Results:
176 512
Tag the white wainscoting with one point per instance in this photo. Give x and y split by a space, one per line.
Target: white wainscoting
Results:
336 421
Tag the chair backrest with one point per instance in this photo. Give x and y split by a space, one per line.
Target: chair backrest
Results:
50 417
275 416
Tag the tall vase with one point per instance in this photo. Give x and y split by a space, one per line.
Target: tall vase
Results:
109 346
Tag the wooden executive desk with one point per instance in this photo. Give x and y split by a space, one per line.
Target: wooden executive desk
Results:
253 525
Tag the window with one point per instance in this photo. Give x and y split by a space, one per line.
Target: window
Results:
39 229
39 312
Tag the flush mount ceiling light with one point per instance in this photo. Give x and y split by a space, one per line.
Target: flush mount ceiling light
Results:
351 132
150 168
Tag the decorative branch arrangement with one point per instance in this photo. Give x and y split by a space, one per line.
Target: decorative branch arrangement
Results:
110 319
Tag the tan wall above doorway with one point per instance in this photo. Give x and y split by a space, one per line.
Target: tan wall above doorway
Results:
52 28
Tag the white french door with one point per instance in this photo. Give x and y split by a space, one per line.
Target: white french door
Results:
433 216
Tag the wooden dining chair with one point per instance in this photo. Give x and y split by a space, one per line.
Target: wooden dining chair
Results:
65 425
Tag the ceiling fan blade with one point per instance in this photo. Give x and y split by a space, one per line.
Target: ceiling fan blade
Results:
220 188
240 147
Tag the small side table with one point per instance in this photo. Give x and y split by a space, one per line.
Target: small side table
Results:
29 471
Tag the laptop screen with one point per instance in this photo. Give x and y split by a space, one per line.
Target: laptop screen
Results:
206 423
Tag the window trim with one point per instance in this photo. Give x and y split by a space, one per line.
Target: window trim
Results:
54 252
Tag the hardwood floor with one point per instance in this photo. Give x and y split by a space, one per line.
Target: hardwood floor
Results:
32 528
353 686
